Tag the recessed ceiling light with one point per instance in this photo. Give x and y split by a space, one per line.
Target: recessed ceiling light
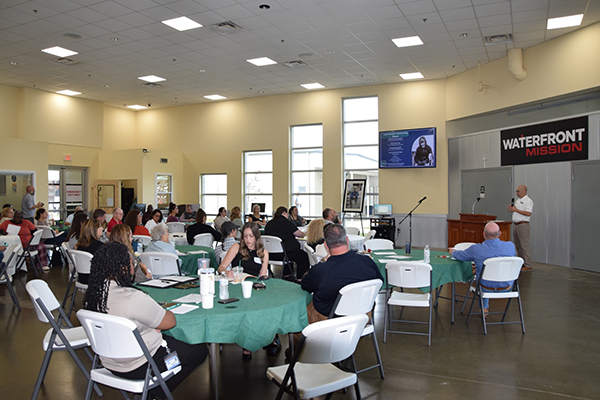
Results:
413 75
215 97
465 34
202 71
115 39
59 51
564 22
262 61
152 78
312 86
182 23
14 63
137 107
408 41
106 86
69 92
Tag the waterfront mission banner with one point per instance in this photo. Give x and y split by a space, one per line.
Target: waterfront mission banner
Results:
565 140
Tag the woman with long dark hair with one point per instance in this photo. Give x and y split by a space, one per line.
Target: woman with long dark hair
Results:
134 221
156 219
201 227
111 291
75 231
122 234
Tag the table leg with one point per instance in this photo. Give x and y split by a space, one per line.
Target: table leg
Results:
214 381
452 301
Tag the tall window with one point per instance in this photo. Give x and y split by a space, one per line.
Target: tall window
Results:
213 189
361 146
164 190
307 169
258 180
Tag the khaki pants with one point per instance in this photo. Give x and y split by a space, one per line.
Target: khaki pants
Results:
521 237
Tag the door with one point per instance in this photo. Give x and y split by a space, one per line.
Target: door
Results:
66 190
585 217
497 183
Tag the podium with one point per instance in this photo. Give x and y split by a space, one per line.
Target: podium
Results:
469 228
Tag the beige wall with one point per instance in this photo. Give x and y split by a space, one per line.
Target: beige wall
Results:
119 129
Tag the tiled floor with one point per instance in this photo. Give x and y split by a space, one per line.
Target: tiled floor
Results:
558 357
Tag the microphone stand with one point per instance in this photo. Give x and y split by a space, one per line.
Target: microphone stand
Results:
473 208
409 216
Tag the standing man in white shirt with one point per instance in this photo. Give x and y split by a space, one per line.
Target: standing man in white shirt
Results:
522 210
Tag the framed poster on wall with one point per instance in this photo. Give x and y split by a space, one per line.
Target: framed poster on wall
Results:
354 195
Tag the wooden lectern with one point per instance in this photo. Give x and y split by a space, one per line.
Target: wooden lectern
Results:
469 228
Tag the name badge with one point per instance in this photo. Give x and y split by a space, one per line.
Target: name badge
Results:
172 360
257 260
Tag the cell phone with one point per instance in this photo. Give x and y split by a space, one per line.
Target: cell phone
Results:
259 286
230 300
169 306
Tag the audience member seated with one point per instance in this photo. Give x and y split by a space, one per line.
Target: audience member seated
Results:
112 270
201 227
295 218
122 234
173 211
314 233
147 215
41 219
100 216
160 240
229 232
117 219
75 231
134 221
7 214
157 218
70 217
281 227
222 217
25 234
256 216
330 216
236 216
189 214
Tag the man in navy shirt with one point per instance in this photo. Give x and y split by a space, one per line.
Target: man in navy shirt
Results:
285 229
491 247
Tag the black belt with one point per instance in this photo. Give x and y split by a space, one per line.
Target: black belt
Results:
496 288
522 222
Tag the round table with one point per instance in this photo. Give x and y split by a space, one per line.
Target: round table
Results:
189 262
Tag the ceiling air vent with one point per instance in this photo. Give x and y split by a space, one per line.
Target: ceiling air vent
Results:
64 61
151 85
164 160
498 39
295 63
225 28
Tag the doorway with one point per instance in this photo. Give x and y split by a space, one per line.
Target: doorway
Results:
584 215
66 190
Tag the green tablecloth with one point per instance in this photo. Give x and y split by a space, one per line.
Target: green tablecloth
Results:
445 270
189 263
252 323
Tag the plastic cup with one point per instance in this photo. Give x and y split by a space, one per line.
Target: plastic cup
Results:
208 301
247 289
237 274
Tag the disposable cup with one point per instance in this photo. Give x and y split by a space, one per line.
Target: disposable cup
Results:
208 301
237 274
247 289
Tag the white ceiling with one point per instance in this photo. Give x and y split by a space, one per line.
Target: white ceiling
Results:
344 43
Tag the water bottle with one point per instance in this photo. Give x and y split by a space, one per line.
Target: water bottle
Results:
224 289
426 255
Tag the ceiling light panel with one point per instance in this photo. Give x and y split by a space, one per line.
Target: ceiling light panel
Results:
262 61
312 86
408 41
152 78
69 92
564 22
59 51
215 97
137 107
182 23
412 75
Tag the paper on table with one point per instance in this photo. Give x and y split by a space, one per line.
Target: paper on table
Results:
386 260
179 253
157 283
385 253
184 308
178 278
190 298
400 257
198 252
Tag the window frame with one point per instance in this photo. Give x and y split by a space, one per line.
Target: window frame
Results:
244 186
156 192
203 194
316 171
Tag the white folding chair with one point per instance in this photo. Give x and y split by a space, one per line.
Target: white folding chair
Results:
370 235
359 298
117 337
499 269
6 272
161 264
82 261
407 275
310 372
311 254
176 227
379 244
30 253
320 252
72 273
463 246
143 239
274 245
48 233
352 230
57 338
204 239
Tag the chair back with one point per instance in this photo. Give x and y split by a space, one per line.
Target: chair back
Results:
332 340
370 235
357 298
320 251
47 232
145 240
463 245
82 261
176 227
408 274
352 230
312 260
39 289
9 255
502 269
379 244
110 335
13 229
35 239
204 239
161 264
272 244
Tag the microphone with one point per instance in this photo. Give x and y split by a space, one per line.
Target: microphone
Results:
512 201
420 201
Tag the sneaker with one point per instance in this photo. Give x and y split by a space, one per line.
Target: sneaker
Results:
45 268
526 268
